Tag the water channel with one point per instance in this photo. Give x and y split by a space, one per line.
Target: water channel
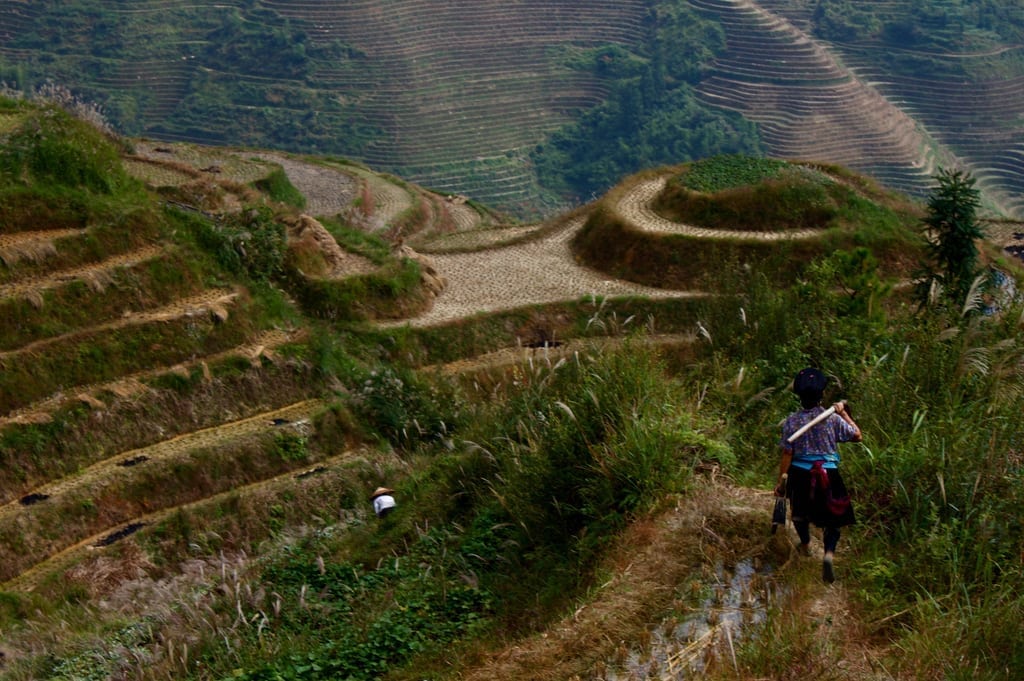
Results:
734 602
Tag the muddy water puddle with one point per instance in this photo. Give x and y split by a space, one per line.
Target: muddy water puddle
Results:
732 604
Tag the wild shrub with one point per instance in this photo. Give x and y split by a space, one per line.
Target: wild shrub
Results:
290 447
358 241
251 243
278 187
392 292
578 451
52 147
404 408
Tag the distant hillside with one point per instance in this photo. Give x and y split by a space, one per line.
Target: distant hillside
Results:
533 105
450 94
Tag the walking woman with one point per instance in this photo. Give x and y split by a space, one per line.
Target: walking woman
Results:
809 470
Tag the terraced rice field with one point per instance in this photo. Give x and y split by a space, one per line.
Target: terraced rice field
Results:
103 495
808 103
871 108
131 449
507 274
463 120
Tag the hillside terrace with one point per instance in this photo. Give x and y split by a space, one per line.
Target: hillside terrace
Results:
810 106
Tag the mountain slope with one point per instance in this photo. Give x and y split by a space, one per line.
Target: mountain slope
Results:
212 355
457 96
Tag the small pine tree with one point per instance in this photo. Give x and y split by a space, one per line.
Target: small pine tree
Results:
952 231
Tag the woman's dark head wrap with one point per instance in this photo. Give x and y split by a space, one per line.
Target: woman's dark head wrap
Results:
809 386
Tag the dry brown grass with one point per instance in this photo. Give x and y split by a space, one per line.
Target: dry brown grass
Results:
31 246
183 598
661 565
9 122
657 564
102 574
319 255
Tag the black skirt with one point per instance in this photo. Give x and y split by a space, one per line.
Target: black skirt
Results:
825 508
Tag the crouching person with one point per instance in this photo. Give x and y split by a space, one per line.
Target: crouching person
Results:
383 501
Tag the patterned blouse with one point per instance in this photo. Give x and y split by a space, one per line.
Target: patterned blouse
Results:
819 443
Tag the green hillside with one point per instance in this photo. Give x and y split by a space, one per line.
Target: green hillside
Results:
538 105
211 356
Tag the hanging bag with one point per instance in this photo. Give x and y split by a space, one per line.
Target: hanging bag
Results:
779 512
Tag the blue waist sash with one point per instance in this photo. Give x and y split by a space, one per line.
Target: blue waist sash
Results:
807 459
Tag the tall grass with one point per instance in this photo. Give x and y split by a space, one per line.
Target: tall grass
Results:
53 147
572 454
501 522
937 481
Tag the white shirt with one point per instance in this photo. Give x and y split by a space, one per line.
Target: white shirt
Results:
384 501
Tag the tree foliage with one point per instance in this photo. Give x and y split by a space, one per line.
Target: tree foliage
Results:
652 116
953 229
919 23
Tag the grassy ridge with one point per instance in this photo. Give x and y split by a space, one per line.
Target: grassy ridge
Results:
743 194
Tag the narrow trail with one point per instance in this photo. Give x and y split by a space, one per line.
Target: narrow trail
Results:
553 354
29 579
295 415
210 301
614 633
96 272
635 208
32 245
474 239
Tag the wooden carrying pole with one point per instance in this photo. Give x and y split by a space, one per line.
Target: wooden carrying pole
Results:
810 424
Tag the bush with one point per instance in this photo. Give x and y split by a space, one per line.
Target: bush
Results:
406 408
55 148
393 292
279 188
590 444
251 243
